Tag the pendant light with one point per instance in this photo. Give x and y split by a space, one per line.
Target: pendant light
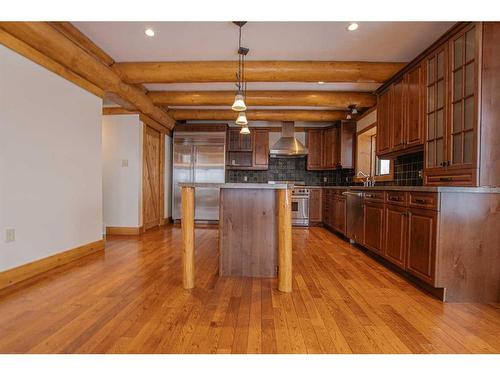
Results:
239 103
245 130
242 119
239 99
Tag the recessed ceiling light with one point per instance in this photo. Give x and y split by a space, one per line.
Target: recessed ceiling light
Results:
149 32
352 26
321 83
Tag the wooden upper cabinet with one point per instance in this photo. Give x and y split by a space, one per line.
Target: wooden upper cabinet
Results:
452 101
329 148
462 128
414 125
261 148
315 148
344 146
398 112
383 122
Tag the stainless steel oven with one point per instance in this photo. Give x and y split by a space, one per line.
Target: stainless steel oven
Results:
300 207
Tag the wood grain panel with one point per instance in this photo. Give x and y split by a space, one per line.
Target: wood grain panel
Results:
152 183
248 239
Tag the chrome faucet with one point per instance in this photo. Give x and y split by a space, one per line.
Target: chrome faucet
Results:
369 181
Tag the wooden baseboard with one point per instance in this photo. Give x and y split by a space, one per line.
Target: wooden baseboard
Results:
26 271
167 220
124 230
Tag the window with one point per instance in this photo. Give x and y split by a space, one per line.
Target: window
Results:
367 162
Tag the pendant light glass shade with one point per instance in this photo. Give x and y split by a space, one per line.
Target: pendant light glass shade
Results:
239 103
245 130
242 119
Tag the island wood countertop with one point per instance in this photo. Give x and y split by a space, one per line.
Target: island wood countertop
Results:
242 185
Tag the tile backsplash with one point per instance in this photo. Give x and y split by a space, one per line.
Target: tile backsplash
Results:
292 169
407 172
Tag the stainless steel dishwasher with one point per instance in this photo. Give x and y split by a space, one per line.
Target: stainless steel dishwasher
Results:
355 213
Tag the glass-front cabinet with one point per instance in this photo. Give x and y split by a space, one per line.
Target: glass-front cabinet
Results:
435 104
451 110
463 114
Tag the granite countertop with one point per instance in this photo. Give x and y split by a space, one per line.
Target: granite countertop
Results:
243 185
431 189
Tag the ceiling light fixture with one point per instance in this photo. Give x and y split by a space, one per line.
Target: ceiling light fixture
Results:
241 86
352 110
242 119
149 32
245 130
353 26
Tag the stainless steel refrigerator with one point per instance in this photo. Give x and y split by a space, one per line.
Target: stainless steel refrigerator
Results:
198 157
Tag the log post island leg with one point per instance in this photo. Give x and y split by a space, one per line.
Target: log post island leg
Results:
187 224
285 240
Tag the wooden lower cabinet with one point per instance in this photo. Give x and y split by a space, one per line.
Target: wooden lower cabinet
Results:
315 206
421 250
374 227
395 234
339 222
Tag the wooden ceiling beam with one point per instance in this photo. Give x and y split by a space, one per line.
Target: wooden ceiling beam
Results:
257 115
50 42
334 99
258 71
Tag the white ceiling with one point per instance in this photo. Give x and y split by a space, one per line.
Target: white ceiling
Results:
183 41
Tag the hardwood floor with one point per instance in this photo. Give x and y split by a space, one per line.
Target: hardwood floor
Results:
131 300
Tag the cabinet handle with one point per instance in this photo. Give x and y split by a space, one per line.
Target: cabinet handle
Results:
396 199
445 179
421 201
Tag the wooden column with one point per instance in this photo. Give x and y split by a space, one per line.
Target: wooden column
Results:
285 240
187 224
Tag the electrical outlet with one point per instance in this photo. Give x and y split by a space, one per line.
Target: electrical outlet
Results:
325 179
124 163
10 234
420 173
245 178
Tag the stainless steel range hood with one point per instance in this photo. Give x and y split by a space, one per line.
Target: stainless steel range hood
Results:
288 145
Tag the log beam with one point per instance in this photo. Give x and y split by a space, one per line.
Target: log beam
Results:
334 99
52 43
258 71
258 115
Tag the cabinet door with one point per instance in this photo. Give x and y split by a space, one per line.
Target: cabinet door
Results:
383 122
462 128
374 227
315 148
327 149
421 249
332 210
398 122
326 205
261 148
340 215
315 209
345 148
395 234
435 109
414 110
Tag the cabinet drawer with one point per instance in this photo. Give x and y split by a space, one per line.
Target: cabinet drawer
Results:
424 200
462 177
375 196
396 197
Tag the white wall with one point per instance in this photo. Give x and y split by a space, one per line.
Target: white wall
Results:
168 176
50 162
122 141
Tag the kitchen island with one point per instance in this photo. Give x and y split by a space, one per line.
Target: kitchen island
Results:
255 231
